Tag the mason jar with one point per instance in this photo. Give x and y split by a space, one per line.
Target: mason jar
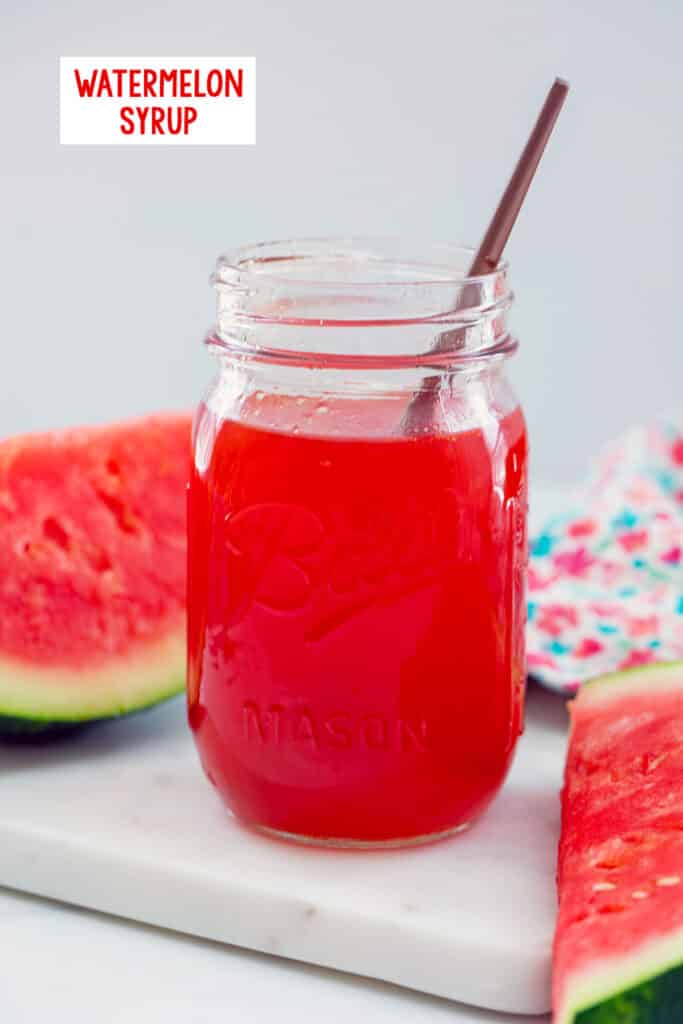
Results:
357 522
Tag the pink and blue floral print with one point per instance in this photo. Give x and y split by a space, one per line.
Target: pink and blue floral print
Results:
606 580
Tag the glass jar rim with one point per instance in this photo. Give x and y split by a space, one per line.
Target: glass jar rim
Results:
247 261
436 314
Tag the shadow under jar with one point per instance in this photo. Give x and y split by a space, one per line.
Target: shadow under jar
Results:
357 524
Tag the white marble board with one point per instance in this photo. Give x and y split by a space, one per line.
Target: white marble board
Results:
120 819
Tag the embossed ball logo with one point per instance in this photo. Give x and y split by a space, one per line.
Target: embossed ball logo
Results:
284 559
275 541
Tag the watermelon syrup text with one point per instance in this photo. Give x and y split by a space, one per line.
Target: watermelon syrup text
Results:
356 573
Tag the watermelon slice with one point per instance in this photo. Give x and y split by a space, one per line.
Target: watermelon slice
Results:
92 571
618 955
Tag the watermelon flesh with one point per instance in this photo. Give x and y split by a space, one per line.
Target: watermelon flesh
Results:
92 571
618 956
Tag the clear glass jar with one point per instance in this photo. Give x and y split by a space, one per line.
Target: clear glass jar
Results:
357 517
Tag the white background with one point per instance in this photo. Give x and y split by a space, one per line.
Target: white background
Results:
373 117
68 966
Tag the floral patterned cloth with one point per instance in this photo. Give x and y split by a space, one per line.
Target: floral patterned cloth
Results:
606 580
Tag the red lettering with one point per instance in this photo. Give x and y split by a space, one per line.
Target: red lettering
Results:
175 120
127 123
198 91
144 82
85 86
119 74
169 78
142 113
105 85
190 118
149 78
214 82
157 120
185 82
236 83
134 83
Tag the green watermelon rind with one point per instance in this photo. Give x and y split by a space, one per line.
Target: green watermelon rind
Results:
12 726
37 699
662 677
645 987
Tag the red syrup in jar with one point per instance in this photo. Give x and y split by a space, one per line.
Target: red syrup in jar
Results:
356 619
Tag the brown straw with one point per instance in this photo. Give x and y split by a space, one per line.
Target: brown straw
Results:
494 241
420 412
